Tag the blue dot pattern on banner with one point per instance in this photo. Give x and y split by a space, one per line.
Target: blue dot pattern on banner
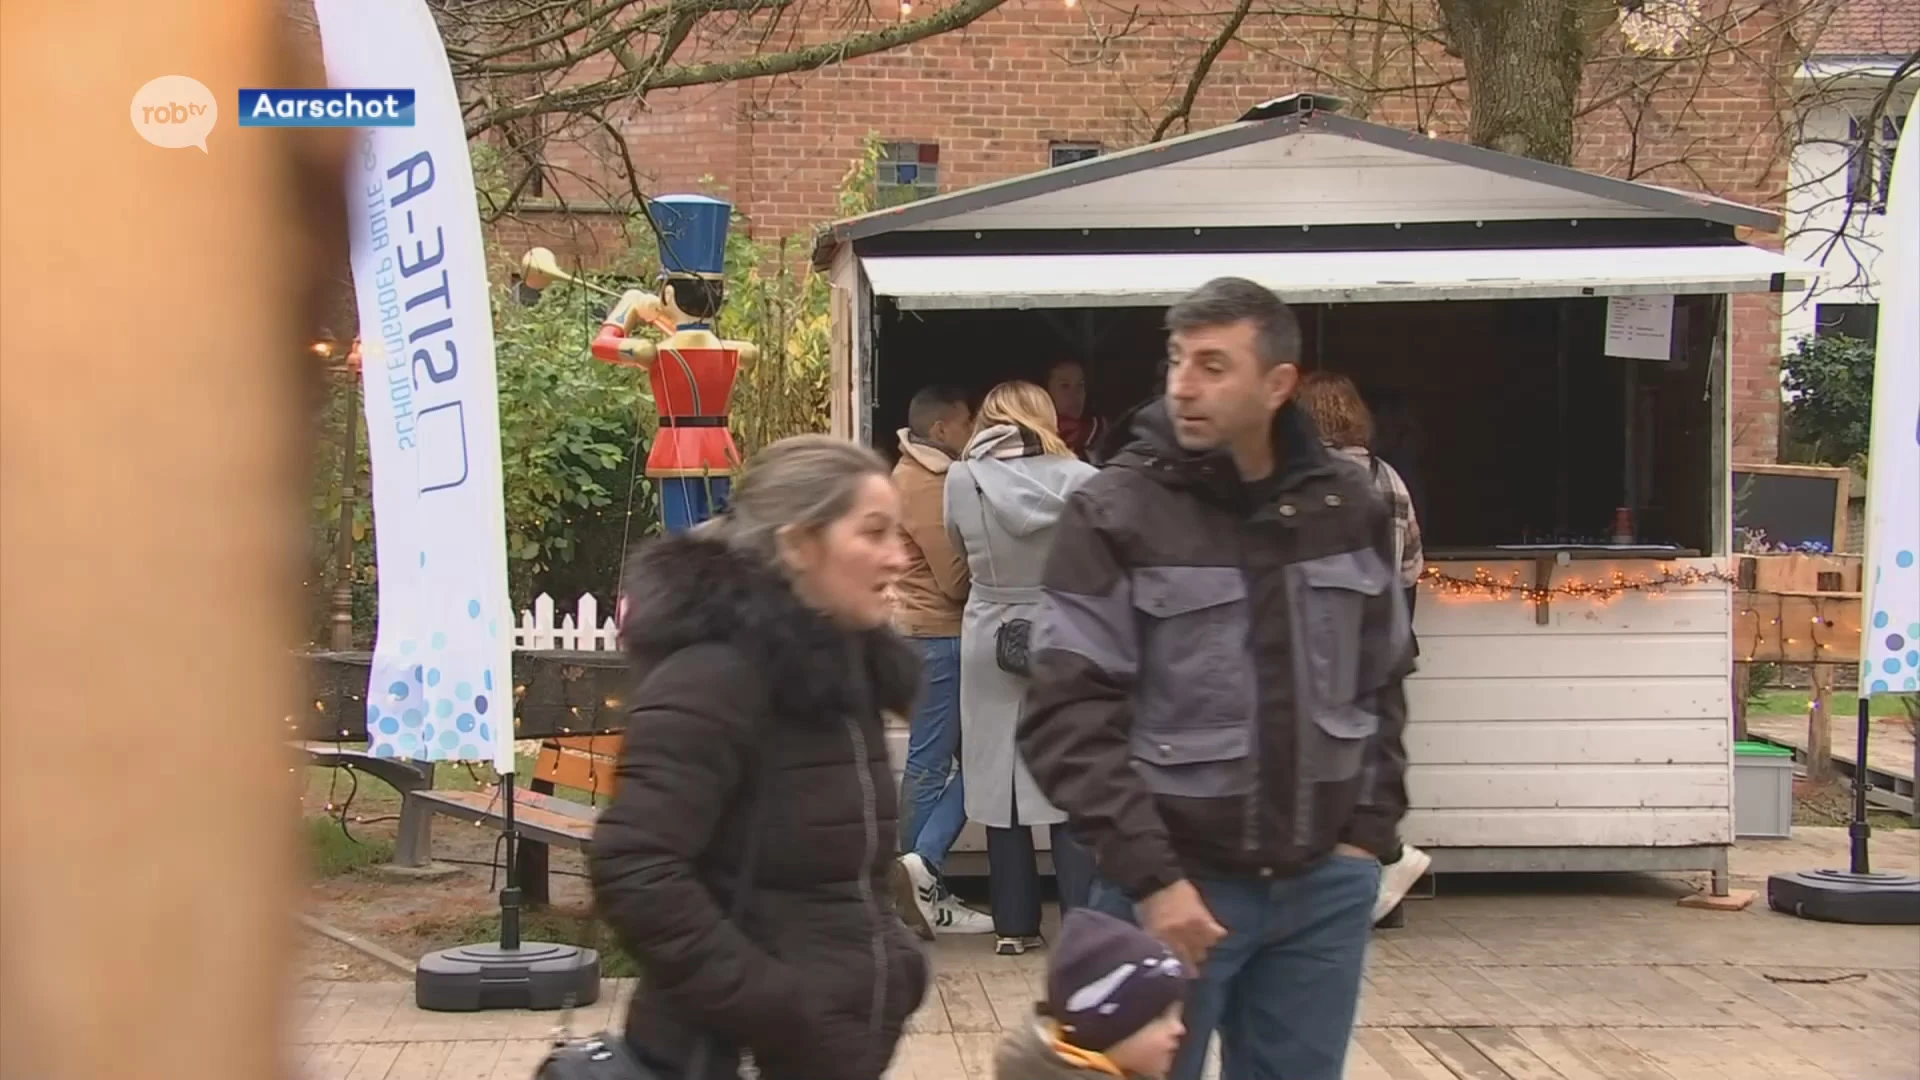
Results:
433 708
1903 672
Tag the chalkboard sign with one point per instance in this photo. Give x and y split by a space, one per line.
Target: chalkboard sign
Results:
1789 508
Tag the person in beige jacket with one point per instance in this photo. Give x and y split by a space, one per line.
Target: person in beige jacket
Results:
928 600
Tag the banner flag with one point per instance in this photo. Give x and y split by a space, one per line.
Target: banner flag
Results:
442 684
1890 658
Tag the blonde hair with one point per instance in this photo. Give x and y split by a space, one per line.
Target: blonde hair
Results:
1026 405
1336 408
806 481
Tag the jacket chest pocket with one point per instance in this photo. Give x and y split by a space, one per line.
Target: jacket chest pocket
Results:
1195 700
1329 596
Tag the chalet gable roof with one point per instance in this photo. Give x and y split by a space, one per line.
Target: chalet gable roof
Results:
1302 168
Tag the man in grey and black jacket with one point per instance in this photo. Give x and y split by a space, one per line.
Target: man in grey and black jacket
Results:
1216 697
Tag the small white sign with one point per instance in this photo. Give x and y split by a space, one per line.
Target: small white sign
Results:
1640 327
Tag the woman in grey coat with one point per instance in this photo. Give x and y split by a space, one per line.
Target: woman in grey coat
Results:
1003 498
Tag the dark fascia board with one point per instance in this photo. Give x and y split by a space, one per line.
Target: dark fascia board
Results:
1213 141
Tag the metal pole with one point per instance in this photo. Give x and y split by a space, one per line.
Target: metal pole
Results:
510 896
342 618
1859 830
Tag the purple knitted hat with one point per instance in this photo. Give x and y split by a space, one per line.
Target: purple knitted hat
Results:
1108 979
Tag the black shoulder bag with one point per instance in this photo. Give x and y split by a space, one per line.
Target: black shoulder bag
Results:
606 1056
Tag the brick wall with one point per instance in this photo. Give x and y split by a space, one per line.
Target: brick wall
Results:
995 94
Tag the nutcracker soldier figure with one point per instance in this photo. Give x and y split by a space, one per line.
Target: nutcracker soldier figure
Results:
691 370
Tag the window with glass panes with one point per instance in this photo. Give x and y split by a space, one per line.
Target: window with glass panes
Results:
1066 153
1870 164
906 171
1858 321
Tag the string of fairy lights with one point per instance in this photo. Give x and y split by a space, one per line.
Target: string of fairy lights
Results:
338 808
1824 634
1847 634
1485 584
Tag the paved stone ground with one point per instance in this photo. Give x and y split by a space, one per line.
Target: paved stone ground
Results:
1589 978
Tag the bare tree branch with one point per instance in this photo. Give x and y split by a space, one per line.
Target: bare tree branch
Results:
672 24
1201 69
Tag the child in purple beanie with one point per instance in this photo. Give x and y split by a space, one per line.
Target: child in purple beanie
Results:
1113 1004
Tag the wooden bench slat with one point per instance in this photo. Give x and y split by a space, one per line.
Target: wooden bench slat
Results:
399 773
539 817
566 768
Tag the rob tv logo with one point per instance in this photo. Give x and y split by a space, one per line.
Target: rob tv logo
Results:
175 112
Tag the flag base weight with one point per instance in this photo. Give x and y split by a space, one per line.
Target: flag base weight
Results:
509 973
1841 896
1856 894
537 975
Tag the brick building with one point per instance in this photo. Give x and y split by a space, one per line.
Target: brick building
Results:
1040 82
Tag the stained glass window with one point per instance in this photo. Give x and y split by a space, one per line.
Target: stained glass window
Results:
906 171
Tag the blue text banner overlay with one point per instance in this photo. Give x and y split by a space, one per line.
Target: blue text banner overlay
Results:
326 108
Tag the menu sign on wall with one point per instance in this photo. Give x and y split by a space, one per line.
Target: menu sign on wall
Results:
1640 327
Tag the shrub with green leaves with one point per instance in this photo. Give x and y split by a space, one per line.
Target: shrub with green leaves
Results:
1829 383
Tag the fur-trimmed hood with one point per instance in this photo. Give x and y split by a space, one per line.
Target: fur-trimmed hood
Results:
686 590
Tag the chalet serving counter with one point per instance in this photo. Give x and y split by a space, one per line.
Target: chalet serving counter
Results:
1572 718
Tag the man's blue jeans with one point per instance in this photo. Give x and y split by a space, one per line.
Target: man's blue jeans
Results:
933 800
1283 985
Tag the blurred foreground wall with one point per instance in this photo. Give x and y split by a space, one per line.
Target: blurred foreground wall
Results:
152 304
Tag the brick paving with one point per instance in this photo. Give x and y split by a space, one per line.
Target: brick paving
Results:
1589 978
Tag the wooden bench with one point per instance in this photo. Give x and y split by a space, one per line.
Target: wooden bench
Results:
405 777
577 762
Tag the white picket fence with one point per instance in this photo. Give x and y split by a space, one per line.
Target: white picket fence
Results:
583 629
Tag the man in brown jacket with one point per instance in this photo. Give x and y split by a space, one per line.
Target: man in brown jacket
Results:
1216 698
927 603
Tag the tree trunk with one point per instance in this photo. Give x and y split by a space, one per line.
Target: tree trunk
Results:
1523 61
1742 689
1820 725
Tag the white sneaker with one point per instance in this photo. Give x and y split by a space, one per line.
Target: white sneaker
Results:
950 916
1397 878
926 905
1018 946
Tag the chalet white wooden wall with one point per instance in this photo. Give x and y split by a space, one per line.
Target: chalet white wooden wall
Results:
1609 727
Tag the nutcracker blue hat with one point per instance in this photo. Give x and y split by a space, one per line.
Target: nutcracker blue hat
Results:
693 233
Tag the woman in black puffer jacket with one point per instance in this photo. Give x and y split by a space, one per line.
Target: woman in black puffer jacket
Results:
764 664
